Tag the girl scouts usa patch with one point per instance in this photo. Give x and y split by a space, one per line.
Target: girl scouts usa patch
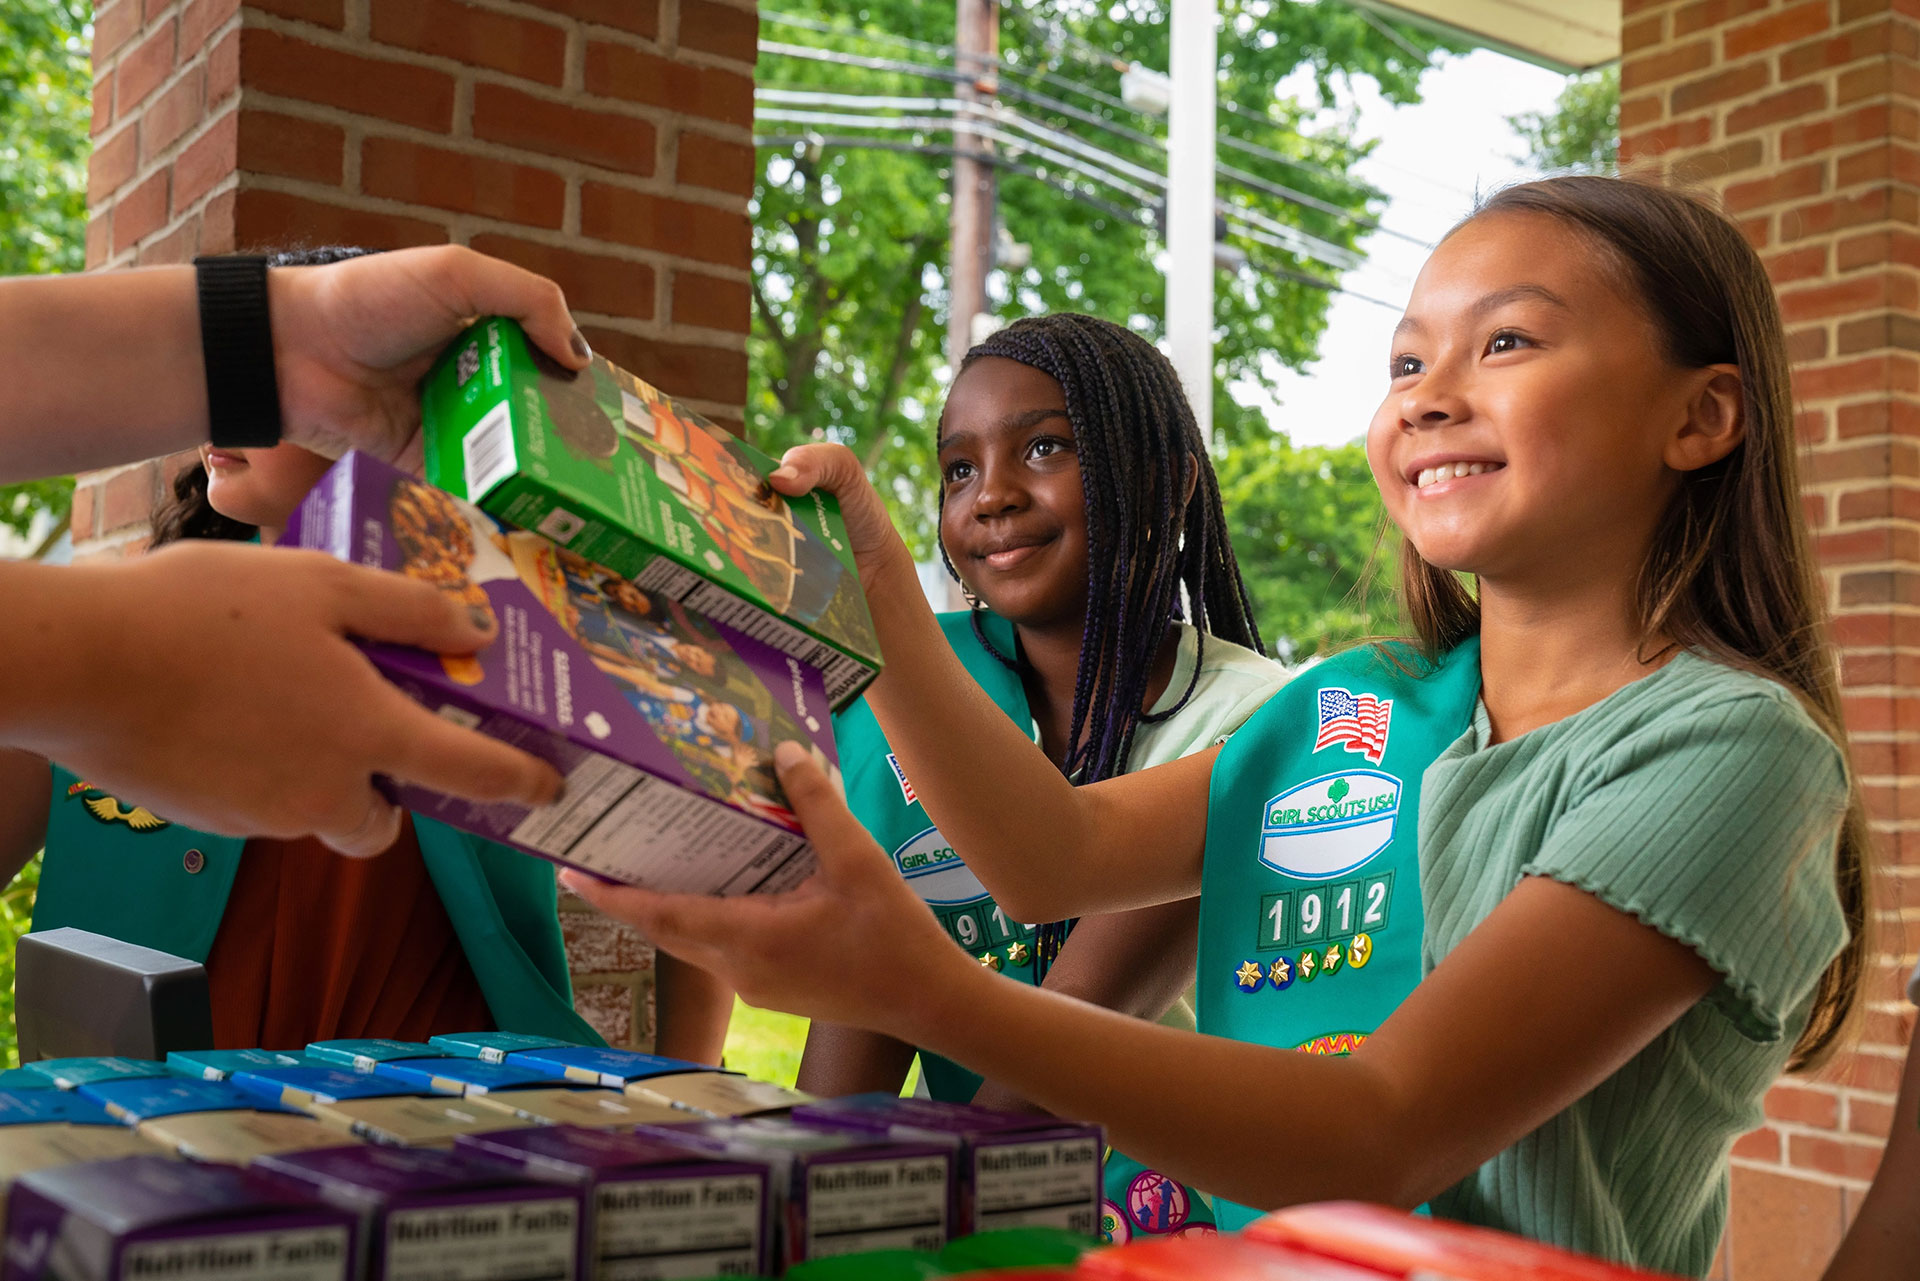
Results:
1330 825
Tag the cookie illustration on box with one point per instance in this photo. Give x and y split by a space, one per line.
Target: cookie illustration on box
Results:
616 471
582 408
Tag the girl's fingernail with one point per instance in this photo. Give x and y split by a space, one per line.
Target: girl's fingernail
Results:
783 472
580 348
789 754
482 617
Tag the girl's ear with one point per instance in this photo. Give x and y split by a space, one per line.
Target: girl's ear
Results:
1716 421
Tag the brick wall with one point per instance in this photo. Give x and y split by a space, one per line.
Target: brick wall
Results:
1804 115
606 143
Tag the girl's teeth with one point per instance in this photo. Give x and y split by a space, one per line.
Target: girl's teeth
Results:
1451 471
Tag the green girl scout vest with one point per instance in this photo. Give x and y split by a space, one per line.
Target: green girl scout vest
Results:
1310 914
1138 1200
130 874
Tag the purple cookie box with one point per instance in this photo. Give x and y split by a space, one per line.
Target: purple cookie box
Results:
795 1155
1014 1171
79 1221
591 1158
378 1183
633 811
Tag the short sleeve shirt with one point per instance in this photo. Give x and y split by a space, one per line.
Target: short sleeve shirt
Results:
1706 802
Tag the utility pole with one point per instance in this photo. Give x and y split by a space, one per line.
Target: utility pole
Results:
1195 68
970 221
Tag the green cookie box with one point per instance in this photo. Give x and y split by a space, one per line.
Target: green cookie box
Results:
616 471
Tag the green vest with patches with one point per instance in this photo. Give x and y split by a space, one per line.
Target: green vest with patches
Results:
131 875
1310 914
1138 1200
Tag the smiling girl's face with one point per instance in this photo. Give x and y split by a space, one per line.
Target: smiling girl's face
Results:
1530 406
1013 517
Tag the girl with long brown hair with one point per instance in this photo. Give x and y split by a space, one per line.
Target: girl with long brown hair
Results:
1642 867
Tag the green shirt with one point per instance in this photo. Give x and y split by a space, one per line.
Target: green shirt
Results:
1706 802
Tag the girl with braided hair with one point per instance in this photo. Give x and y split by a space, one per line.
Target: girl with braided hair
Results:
1082 519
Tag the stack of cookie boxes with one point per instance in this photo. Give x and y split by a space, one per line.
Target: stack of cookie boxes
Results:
664 618
486 1156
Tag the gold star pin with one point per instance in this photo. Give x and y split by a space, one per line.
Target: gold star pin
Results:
1360 951
1280 973
1248 975
991 960
1019 954
1331 961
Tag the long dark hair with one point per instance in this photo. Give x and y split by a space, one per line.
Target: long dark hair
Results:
1148 543
185 511
1730 571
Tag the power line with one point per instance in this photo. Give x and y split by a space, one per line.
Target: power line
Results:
1279 190
1122 214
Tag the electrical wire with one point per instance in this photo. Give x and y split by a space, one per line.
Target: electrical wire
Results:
803 96
1120 213
951 76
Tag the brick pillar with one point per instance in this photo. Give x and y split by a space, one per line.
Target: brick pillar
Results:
1804 116
605 143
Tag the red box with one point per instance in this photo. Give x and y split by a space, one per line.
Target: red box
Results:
1392 1243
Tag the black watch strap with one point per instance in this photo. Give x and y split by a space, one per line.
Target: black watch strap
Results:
236 340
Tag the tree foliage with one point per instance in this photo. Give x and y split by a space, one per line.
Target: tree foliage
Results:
1582 132
46 87
1313 543
851 236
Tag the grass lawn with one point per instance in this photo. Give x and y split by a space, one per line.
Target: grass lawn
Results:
766 1046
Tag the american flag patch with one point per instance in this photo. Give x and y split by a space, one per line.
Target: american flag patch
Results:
906 788
1357 722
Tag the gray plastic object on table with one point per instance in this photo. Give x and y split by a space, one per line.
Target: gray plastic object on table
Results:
80 994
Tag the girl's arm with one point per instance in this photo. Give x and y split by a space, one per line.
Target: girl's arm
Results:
692 1009
851 1060
26 790
1884 1240
106 367
1125 843
1136 963
1550 995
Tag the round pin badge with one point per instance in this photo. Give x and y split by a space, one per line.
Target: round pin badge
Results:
1157 1204
1359 951
1280 974
1247 977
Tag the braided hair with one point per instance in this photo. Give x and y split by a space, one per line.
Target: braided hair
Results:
1155 556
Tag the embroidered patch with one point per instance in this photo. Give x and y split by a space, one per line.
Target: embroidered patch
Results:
1331 825
1333 1043
1357 722
1157 1204
900 776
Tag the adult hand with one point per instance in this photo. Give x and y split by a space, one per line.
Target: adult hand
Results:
352 339
215 684
878 549
852 945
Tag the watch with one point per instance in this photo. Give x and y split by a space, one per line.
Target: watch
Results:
236 342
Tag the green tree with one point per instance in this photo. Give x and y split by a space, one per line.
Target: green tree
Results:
1313 543
1582 132
46 86
851 237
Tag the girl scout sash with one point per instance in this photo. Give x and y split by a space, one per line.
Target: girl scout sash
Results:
1138 1200
1310 914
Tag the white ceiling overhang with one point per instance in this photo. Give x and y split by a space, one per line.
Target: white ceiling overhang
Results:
1566 35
